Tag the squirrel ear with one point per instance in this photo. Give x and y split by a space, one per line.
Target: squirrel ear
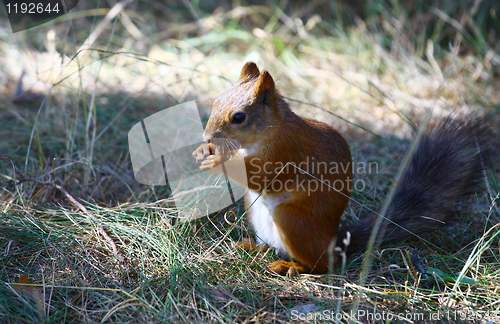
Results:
249 71
265 83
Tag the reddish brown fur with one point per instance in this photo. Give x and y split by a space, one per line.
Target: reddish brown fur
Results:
307 223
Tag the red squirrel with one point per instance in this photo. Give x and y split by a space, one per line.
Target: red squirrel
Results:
298 215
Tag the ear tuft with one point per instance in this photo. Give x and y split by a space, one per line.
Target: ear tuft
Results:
265 83
249 71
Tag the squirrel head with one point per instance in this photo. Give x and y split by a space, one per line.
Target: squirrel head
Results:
248 112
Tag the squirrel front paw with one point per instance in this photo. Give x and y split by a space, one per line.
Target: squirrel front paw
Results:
208 156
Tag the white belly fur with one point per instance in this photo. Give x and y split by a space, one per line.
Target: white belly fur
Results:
249 150
261 218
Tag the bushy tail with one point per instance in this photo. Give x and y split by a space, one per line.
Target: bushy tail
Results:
448 165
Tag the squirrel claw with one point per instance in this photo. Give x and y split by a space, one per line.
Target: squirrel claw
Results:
203 151
208 156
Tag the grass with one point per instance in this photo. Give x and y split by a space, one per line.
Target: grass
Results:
67 181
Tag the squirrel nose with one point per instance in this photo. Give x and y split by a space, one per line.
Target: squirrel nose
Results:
206 137
207 132
209 135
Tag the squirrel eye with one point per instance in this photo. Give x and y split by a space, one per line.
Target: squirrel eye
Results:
238 118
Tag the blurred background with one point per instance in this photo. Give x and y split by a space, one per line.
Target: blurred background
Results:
72 88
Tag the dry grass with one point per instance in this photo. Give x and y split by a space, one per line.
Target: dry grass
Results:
68 129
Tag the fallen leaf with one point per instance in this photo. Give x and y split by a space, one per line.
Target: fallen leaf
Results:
25 289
